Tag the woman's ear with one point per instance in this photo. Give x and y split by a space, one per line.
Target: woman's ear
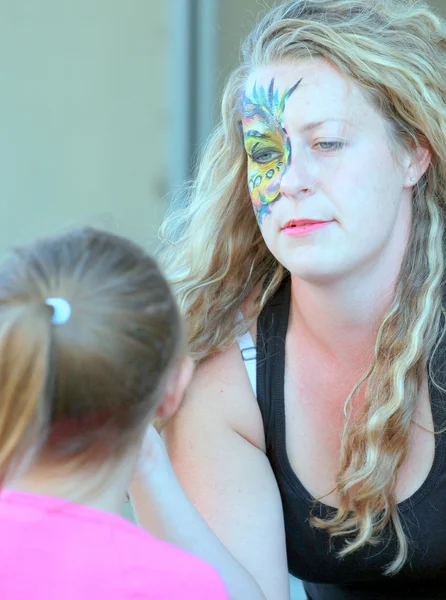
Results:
177 384
420 159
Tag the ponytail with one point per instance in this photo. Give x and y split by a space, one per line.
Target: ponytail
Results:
25 352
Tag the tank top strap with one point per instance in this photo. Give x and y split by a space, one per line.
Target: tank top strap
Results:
249 357
272 326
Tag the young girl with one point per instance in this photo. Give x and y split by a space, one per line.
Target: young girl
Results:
91 350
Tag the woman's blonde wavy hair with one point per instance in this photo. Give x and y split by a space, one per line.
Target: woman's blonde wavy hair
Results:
215 255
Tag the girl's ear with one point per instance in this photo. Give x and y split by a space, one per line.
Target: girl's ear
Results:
177 384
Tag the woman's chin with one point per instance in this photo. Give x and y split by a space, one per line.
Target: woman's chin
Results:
316 271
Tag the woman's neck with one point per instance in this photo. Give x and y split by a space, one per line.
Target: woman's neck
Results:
342 318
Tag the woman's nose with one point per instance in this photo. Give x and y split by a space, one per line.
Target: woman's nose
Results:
297 180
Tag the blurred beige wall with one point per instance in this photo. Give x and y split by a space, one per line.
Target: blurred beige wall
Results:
83 116
440 4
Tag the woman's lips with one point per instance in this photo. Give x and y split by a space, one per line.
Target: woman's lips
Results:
303 226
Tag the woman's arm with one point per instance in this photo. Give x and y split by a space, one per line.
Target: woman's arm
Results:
216 446
162 507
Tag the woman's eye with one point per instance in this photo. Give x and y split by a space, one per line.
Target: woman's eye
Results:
265 156
331 146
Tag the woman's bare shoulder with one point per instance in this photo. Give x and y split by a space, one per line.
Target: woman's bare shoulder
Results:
220 389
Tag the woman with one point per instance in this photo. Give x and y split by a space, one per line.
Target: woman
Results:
90 352
334 139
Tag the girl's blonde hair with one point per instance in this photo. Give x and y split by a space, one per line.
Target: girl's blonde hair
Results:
395 51
82 391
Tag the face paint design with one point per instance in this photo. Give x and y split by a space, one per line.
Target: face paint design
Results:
267 145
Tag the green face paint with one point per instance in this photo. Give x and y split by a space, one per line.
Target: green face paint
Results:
266 143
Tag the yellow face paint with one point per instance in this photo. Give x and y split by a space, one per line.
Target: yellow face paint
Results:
267 145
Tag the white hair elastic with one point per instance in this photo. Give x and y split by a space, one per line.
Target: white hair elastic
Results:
61 310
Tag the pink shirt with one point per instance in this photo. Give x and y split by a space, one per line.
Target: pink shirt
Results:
51 549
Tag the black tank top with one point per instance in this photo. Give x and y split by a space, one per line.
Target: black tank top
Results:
311 554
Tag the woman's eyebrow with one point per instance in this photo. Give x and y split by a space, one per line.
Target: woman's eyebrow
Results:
316 124
254 133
